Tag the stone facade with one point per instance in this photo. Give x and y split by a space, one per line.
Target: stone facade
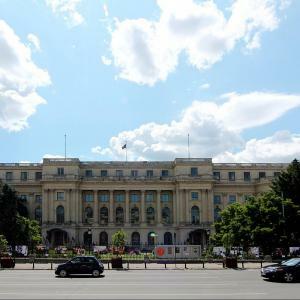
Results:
154 202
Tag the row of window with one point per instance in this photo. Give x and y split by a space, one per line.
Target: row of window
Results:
231 199
247 175
23 176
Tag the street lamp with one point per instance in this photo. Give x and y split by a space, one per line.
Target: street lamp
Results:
90 239
154 235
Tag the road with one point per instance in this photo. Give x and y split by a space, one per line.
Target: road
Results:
145 284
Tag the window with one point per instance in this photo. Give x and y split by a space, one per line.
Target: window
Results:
217 213
166 215
103 215
134 197
216 175
151 238
89 197
194 195
24 176
9 176
217 199
60 196
103 239
119 215
135 239
150 215
149 196
247 176
149 173
164 173
119 197
119 173
60 214
165 197
247 197
38 215
38 175
276 174
232 199
60 171
195 214
231 176
134 173
38 198
23 198
261 175
88 173
88 215
168 238
103 173
194 171
134 215
104 197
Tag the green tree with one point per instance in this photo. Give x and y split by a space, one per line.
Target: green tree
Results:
119 239
3 244
287 184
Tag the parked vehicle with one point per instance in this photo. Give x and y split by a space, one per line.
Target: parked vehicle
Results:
80 265
288 270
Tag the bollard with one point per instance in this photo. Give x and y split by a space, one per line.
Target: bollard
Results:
165 265
51 265
185 264
203 264
145 265
242 264
108 265
33 264
127 264
261 263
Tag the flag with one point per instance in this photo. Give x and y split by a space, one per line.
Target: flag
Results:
124 146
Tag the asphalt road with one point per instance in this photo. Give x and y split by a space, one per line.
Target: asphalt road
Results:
145 284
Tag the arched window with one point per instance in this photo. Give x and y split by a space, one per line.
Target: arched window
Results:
152 238
195 215
166 215
103 215
119 215
134 215
135 239
217 213
88 214
60 214
150 215
103 239
38 214
168 238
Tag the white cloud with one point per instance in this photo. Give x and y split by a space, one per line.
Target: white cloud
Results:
34 40
105 60
68 9
214 128
147 51
19 79
105 10
204 86
283 146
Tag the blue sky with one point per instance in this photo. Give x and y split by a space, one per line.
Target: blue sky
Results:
148 73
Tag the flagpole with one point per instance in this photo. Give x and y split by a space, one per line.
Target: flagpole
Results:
188 146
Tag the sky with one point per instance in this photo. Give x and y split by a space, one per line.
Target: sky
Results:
221 74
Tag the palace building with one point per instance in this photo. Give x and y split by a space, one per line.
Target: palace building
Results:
154 202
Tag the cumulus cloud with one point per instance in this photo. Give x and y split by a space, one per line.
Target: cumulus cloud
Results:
283 146
105 60
147 51
35 42
214 129
68 10
19 79
204 86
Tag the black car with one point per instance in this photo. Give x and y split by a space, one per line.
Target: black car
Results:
80 265
288 270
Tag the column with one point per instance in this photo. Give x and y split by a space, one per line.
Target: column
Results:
181 205
158 209
224 200
174 214
111 206
203 206
187 207
72 206
143 206
210 208
80 207
96 208
127 207
51 206
177 205
45 209
67 208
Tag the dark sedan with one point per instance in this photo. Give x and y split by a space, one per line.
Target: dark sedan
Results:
80 265
288 270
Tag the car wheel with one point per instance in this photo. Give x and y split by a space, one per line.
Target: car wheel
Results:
63 273
288 277
96 273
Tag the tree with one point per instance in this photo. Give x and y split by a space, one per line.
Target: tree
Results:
3 244
119 239
287 184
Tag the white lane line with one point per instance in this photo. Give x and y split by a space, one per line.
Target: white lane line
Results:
120 283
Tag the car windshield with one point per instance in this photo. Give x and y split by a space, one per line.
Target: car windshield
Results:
291 262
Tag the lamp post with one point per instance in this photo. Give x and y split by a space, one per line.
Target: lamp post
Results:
208 235
90 239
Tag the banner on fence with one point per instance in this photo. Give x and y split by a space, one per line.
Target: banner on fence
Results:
177 251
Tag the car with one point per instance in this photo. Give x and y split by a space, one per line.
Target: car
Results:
288 270
80 265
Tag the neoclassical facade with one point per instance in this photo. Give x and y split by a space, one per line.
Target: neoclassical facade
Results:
154 202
